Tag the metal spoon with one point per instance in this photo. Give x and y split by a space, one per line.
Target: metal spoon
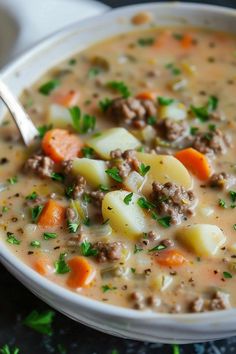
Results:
25 125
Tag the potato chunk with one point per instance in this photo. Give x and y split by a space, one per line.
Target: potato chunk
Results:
111 139
59 116
202 239
129 220
164 169
134 182
175 111
92 170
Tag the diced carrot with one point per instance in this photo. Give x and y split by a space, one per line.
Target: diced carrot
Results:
60 145
195 162
68 99
171 258
53 214
82 273
187 41
41 265
147 95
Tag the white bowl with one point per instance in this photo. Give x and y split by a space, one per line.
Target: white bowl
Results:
147 326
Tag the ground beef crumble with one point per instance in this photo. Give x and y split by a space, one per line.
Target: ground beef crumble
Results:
172 200
218 301
108 251
125 161
132 111
170 130
211 142
221 180
41 165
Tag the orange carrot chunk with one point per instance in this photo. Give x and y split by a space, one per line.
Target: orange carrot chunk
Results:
41 265
68 99
195 162
52 215
82 273
60 145
187 41
171 258
147 95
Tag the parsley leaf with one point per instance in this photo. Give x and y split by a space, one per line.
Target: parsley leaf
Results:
49 235
202 113
234 227
48 87
151 120
145 204
232 196
43 129
87 249
120 87
82 124
212 104
227 275
143 169
31 196
194 130
107 287
88 123
94 71
157 248
61 267
128 198
222 203
165 221
114 174
105 104
87 152
145 42
103 188
5 209
11 238
72 61
72 226
165 101
12 180
137 249
173 69
40 322
35 244
35 212
55 176
7 350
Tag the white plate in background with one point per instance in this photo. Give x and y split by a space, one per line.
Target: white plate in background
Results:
24 22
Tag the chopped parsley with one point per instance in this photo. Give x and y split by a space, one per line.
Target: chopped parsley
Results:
68 191
227 275
87 152
145 204
49 235
194 130
48 87
232 196
72 226
165 221
234 227
114 174
173 69
43 129
157 248
119 86
82 123
105 104
35 244
55 176
222 203
165 101
145 42
133 270
61 267
137 249
93 72
178 36
202 112
35 212
103 188
143 169
107 287
7 350
87 198
11 238
12 180
40 322
212 127
72 61
128 198
31 196
151 120
87 249
5 209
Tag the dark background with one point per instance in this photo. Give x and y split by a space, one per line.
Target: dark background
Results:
16 302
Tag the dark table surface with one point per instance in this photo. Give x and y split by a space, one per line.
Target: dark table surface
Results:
69 337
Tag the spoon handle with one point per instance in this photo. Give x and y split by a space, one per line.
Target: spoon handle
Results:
24 123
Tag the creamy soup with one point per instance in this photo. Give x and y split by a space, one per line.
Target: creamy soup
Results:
128 195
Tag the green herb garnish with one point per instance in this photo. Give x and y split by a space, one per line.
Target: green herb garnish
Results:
133 270
194 130
222 203
157 248
72 226
11 238
128 198
165 101
145 204
227 275
12 180
87 249
31 196
43 129
202 113
93 72
173 69
114 174
35 212
5 209
48 87
82 124
107 287
165 221
35 244
120 87
56 176
232 196
72 61
151 120
145 42
87 152
143 169
61 267
137 249
49 235
105 104
103 188
87 198
40 322
234 227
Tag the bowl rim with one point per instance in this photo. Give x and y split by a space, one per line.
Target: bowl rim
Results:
10 259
